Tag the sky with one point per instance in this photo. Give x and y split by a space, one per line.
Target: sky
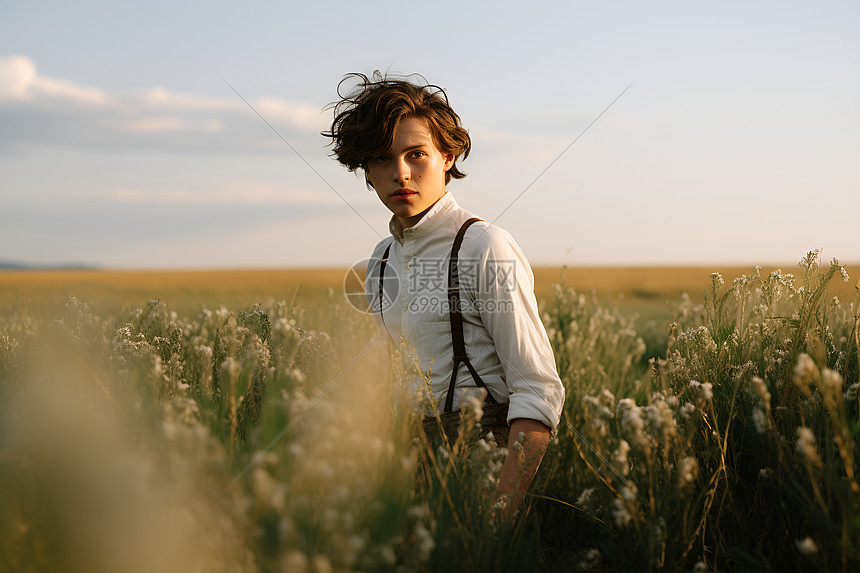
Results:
123 144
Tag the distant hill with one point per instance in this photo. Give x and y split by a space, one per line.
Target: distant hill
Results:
18 266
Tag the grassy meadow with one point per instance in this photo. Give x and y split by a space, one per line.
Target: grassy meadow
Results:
254 421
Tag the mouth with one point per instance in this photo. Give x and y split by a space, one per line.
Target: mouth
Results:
404 193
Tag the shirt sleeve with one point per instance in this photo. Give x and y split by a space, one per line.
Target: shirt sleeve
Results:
505 299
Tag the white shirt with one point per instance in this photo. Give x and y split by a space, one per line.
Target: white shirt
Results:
506 341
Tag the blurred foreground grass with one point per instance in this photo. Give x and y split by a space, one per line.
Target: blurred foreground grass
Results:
234 425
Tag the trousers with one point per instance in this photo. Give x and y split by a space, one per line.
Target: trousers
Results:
494 419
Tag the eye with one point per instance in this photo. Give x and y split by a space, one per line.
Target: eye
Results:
418 154
380 159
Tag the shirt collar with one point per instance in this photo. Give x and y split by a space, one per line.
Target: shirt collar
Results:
428 222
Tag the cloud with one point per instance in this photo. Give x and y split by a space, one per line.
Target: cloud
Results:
37 109
75 226
20 82
159 98
44 110
236 192
165 124
517 148
41 110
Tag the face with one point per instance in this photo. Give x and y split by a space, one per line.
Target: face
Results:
410 178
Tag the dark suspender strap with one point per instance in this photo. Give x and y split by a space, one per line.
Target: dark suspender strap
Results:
382 264
456 317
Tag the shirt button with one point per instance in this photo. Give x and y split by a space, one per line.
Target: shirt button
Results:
405 308
407 267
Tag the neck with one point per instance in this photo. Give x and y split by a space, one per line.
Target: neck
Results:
406 222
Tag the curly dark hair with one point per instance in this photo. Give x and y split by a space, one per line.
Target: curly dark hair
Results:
367 114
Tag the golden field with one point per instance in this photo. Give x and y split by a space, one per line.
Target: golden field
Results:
188 290
172 435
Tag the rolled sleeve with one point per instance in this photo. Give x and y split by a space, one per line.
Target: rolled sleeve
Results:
509 312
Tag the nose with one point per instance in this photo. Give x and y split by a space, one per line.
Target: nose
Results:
402 173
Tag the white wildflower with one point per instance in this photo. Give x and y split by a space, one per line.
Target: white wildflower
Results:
660 418
590 559
586 499
806 446
415 512
852 391
845 277
472 403
267 491
621 506
321 564
170 428
607 399
295 561
717 279
687 410
632 424
297 375
500 505
619 458
619 513
761 389
231 368
628 494
203 350
805 371
704 391
424 542
688 471
386 554
765 473
158 367
659 531
759 421
832 381
806 546
806 261
599 414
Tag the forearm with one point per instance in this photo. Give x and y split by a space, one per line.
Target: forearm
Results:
522 463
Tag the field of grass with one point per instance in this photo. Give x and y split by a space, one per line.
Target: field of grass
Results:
232 420
191 291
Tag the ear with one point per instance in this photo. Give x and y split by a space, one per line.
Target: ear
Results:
449 160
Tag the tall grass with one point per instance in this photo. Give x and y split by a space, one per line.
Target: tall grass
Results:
737 450
237 439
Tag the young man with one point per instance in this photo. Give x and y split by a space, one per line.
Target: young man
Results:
464 292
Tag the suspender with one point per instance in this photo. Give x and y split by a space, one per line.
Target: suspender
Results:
456 317
381 281
457 322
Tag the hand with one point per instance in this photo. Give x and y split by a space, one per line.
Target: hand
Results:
524 457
